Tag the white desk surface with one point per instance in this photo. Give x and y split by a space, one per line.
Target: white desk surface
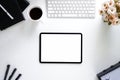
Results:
19 46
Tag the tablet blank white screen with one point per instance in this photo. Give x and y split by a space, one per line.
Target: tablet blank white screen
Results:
60 48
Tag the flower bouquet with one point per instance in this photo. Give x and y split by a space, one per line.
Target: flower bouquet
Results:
111 12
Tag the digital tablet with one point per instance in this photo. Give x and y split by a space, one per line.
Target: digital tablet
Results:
112 73
60 48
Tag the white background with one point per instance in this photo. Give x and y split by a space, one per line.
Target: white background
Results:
19 46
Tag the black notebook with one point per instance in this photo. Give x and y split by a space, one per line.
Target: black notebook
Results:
23 4
11 12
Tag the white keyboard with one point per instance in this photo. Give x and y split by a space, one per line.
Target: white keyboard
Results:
70 8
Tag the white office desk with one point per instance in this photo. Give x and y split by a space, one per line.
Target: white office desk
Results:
19 46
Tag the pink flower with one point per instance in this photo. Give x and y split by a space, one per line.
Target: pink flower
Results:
111 3
109 12
113 19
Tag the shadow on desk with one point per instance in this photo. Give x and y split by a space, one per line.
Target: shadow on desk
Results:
29 27
106 47
102 46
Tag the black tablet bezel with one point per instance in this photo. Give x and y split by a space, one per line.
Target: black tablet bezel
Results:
54 61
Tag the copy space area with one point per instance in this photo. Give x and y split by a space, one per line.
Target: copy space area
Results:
61 47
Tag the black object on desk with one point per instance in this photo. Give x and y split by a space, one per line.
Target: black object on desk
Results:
35 13
6 73
12 74
11 12
23 4
18 76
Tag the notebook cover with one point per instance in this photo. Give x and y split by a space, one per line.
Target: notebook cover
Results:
12 7
23 4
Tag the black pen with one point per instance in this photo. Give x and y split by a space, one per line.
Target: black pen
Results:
18 77
12 74
6 73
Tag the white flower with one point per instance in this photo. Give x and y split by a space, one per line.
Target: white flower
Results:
102 12
111 10
105 5
111 3
105 17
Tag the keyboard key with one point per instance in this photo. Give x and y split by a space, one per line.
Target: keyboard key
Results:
69 15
